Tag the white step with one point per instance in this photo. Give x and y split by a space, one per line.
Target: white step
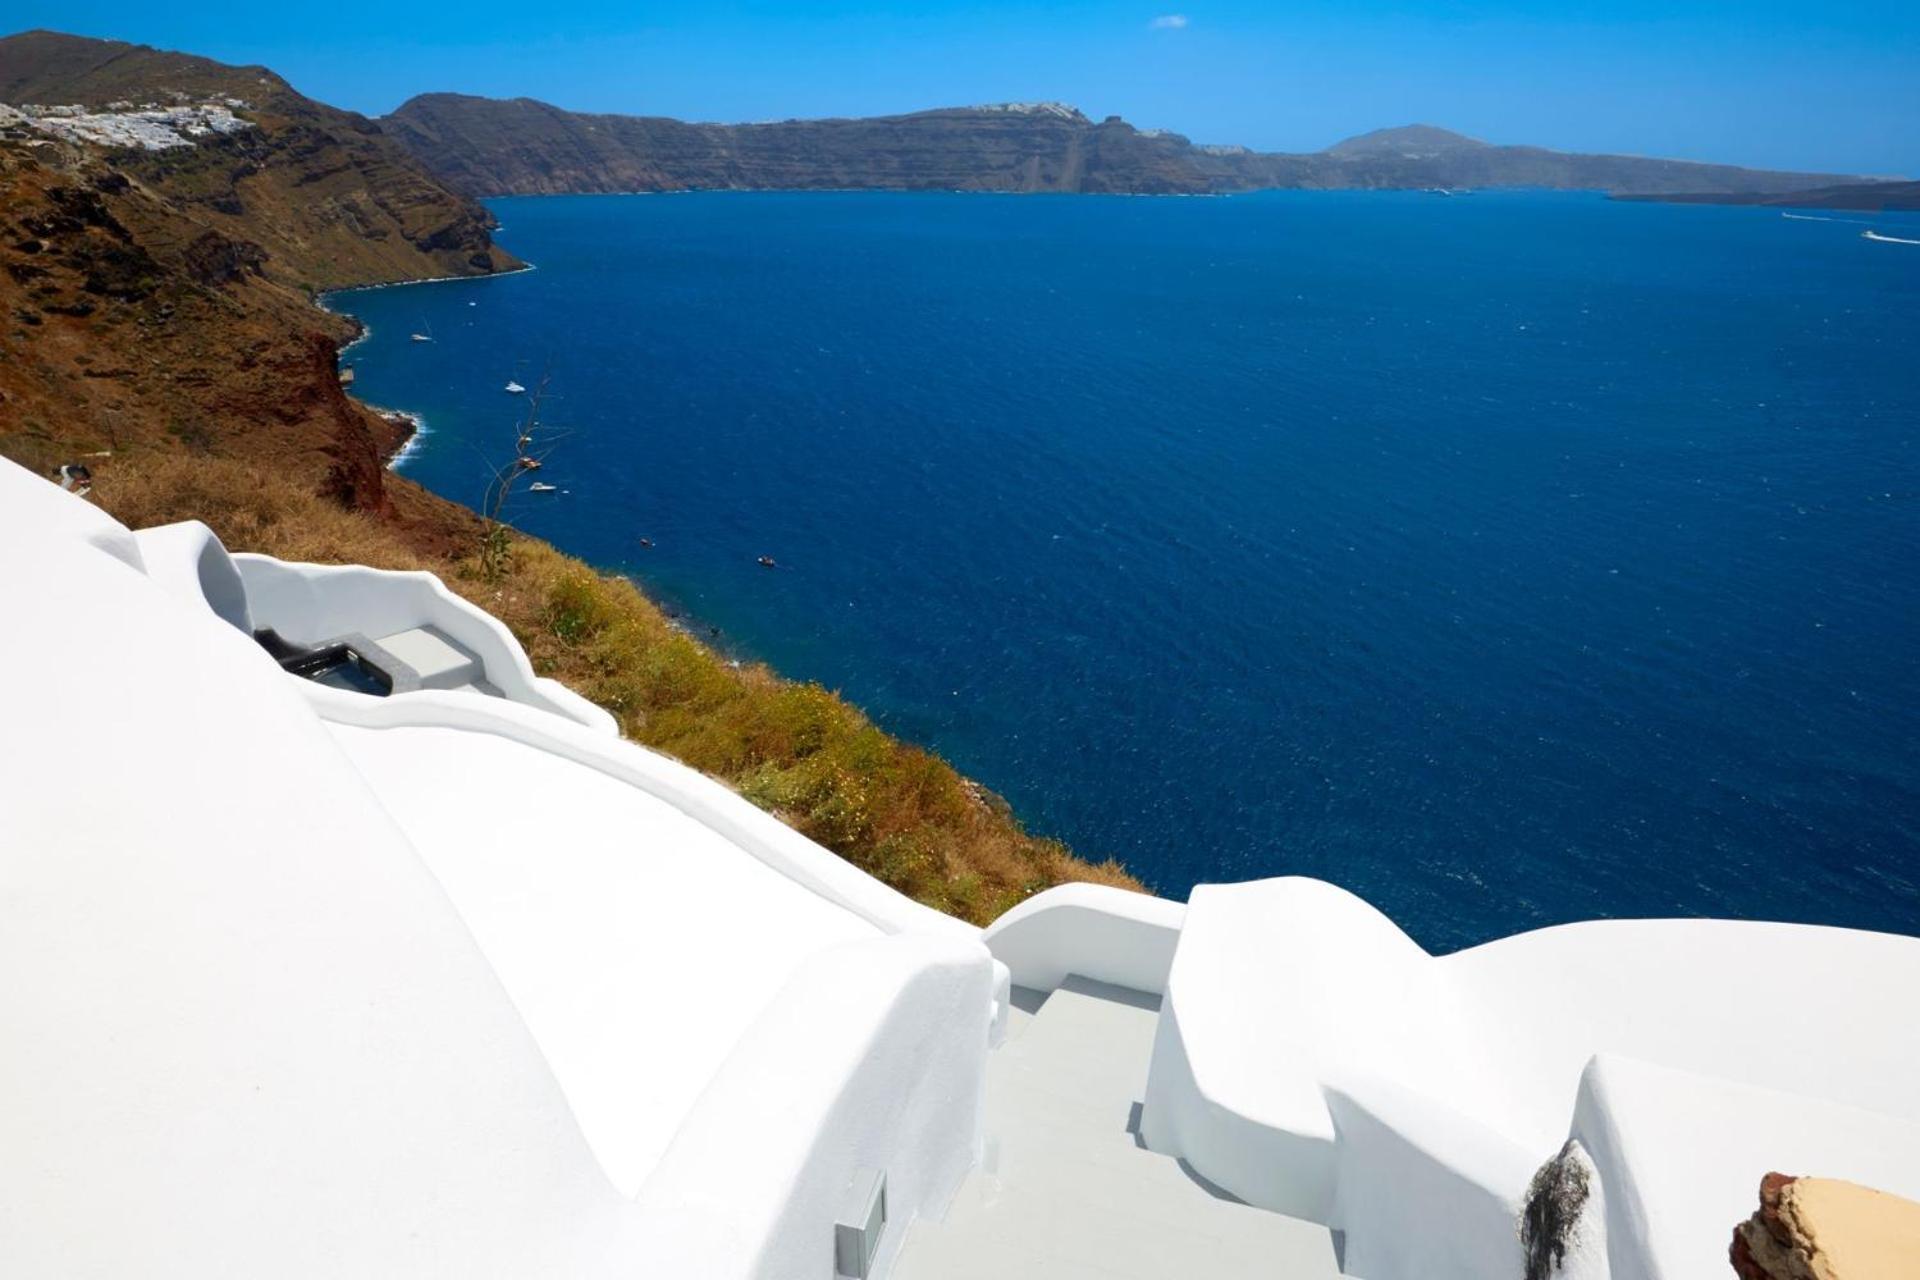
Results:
1065 1189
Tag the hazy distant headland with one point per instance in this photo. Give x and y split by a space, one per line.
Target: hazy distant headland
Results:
494 147
1862 197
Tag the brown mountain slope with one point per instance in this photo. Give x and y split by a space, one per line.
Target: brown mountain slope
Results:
490 147
129 322
164 297
328 197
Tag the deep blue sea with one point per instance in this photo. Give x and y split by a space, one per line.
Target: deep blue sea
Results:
1508 559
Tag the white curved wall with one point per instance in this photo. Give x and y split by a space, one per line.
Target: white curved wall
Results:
311 603
1275 982
872 1058
702 799
1312 1059
189 561
637 943
246 1032
1680 1155
1421 1190
1680 993
1096 931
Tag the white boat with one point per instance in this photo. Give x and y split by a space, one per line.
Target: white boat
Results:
421 337
541 486
513 388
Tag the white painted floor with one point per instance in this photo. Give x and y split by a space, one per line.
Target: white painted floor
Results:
1066 1192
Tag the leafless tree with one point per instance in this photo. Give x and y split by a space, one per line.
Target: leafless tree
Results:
533 441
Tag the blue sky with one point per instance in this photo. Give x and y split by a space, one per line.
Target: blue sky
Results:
1821 85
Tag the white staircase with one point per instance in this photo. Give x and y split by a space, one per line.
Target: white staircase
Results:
1067 1192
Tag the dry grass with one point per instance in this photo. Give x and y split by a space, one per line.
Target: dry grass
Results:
252 508
796 750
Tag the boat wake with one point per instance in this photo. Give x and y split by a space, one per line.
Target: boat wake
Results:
1875 235
1814 217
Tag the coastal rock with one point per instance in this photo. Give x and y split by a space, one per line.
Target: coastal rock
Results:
1826 1229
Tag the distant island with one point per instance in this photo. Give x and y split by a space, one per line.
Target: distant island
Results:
493 147
1860 197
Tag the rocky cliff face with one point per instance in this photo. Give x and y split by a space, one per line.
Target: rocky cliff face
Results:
488 147
162 298
522 147
328 197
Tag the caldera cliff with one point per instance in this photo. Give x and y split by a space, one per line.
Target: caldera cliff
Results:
491 147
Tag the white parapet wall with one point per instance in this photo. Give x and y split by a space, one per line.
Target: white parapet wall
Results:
188 560
1312 1059
870 1060
313 603
1676 1153
714 806
1095 931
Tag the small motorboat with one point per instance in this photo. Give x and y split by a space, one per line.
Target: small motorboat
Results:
514 388
529 464
646 542
767 562
541 486
421 337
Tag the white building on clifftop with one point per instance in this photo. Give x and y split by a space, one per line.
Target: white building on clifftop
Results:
336 942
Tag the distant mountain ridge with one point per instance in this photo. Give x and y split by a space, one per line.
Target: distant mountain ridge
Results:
490 147
1408 141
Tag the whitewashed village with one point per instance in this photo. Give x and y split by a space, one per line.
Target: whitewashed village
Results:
147 126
